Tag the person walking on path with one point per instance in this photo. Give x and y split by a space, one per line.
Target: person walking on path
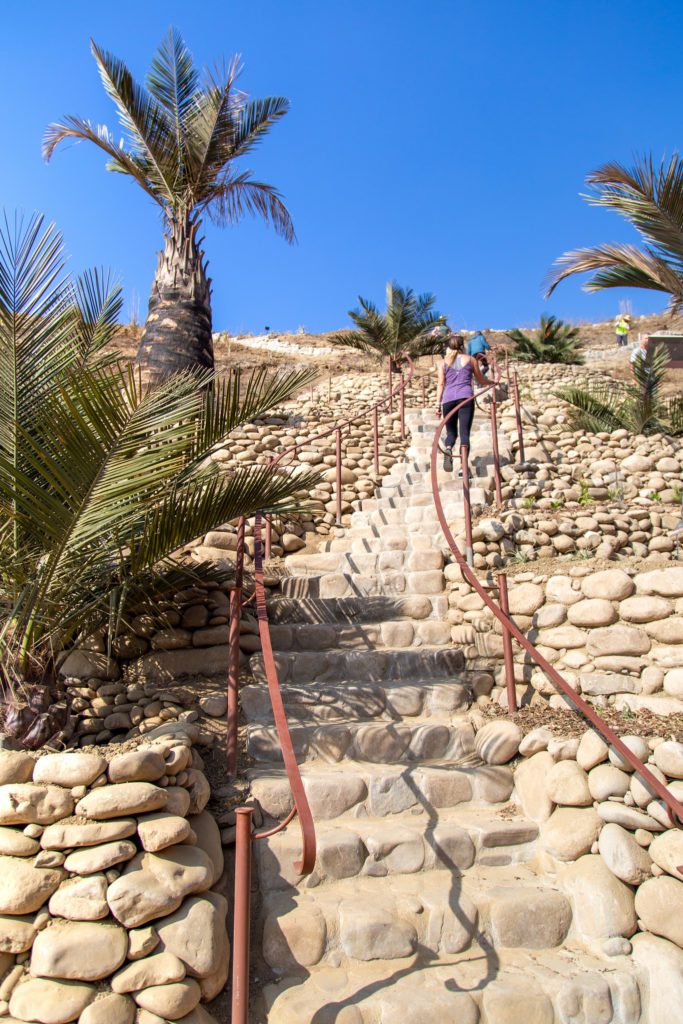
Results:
640 365
622 329
478 346
454 386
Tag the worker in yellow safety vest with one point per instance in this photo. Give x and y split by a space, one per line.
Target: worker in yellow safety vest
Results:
622 330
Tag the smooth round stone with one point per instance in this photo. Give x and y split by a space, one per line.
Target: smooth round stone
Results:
627 817
637 745
69 770
623 856
667 852
79 950
592 612
605 781
498 742
111 1009
64 837
669 758
92 859
641 792
23 887
567 785
592 750
673 683
141 765
570 832
118 800
611 584
161 969
33 803
602 903
644 609
659 905
16 933
48 1001
14 843
173 1001
15 766
81 899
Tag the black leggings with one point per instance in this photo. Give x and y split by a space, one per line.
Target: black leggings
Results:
463 418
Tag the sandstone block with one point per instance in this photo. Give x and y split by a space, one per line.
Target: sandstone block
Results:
528 918
514 1002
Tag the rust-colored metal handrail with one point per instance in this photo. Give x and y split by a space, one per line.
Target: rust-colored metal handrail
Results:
244 838
674 806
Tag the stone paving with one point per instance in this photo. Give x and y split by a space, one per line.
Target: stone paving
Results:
426 903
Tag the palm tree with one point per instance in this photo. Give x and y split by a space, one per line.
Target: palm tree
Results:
553 342
184 134
404 327
103 480
613 405
651 198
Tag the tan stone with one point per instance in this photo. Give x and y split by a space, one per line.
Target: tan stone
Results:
49 1002
78 950
516 1002
605 781
110 1009
528 918
659 904
526 598
141 765
667 852
15 766
198 789
592 612
92 859
662 964
623 855
371 931
69 769
64 837
208 838
567 785
570 832
618 639
154 884
294 936
669 758
602 905
30 803
14 843
666 631
81 899
159 830
152 970
566 637
16 933
118 800
498 742
172 1001
664 582
24 888
530 786
592 750
178 802
611 584
644 609
196 933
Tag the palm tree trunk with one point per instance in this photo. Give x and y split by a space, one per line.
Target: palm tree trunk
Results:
177 334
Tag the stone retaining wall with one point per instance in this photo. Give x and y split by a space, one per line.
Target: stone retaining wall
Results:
616 636
110 885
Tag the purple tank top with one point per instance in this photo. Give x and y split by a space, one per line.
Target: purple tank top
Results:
457 380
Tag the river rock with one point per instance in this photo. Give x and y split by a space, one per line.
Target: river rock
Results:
669 758
64 837
618 639
196 933
23 887
623 856
118 800
160 969
172 1001
198 787
559 589
69 769
530 786
16 933
673 683
92 859
110 1009
605 781
81 899
15 766
570 832
644 609
154 884
592 612
637 745
78 950
29 803
627 817
611 585
664 582
567 785
662 963
498 742
667 852
141 765
49 1002
525 599
14 843
602 904
659 905
592 750
208 838
159 830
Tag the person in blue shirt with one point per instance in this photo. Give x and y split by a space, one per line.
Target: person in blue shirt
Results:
478 346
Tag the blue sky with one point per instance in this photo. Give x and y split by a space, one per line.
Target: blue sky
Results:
441 144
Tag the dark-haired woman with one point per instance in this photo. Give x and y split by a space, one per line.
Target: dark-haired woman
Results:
454 386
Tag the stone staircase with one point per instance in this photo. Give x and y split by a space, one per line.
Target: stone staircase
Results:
425 905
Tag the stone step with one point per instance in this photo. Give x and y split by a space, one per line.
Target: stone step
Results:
508 986
363 562
352 702
370 847
385 742
383 584
364 666
385 538
352 611
364 918
379 790
422 518
402 632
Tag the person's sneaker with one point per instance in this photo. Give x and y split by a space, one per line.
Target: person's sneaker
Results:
448 460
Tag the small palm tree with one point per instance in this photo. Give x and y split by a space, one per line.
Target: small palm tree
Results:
184 135
613 405
404 327
651 198
103 480
552 342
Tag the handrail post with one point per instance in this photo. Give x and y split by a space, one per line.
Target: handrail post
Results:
375 438
269 537
494 438
338 476
391 397
507 367
507 644
234 653
518 416
466 503
424 397
403 411
241 919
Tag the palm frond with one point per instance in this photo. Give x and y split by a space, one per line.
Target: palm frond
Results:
172 80
237 194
